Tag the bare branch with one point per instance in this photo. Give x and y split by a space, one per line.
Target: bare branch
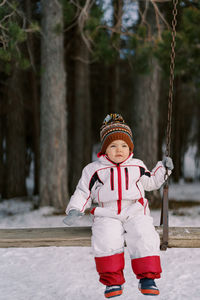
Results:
143 15
3 42
20 13
31 57
3 27
83 17
74 21
84 60
58 3
7 16
3 2
158 12
157 19
123 33
143 18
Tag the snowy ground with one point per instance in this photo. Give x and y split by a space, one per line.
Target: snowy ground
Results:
68 273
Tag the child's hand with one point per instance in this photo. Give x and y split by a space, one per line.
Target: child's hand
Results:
72 217
168 163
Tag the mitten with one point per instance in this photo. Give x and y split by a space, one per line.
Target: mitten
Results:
168 163
72 217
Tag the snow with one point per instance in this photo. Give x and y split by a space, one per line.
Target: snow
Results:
68 273
187 192
191 163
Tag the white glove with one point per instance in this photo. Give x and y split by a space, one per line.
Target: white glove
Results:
168 163
72 217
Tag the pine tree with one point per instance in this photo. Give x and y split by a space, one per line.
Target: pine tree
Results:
53 142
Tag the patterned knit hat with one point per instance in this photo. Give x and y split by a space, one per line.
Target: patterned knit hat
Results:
115 128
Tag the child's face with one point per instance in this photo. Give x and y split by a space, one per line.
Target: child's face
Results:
118 151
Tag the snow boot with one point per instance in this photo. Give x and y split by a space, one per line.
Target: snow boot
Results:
148 287
113 291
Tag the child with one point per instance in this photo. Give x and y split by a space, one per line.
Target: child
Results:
116 182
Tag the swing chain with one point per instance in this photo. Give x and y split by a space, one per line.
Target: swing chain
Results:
171 80
164 212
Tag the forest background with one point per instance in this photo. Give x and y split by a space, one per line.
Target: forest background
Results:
65 64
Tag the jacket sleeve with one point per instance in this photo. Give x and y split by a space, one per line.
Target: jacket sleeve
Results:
81 200
154 179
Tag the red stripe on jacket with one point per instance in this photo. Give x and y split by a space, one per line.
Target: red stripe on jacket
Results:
119 201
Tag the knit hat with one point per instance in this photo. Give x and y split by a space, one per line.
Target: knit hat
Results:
115 128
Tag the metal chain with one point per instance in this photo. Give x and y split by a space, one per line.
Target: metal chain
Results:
164 212
171 80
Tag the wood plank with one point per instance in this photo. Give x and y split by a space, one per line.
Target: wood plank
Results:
45 237
182 237
179 237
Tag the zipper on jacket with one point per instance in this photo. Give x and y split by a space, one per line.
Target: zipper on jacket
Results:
126 177
112 179
119 201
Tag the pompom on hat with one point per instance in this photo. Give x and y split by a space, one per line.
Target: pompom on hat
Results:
115 128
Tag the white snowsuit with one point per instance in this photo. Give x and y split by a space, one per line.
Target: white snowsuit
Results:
122 216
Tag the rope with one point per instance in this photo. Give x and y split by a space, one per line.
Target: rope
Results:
164 212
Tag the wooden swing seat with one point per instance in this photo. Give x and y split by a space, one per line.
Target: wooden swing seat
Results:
179 237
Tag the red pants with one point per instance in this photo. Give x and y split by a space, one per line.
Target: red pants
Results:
134 228
110 268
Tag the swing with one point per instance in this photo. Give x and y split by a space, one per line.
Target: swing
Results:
177 237
164 210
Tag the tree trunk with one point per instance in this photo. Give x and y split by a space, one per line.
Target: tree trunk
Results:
163 115
80 152
146 105
176 142
146 115
35 103
113 69
53 151
36 132
1 156
145 126
113 87
15 138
